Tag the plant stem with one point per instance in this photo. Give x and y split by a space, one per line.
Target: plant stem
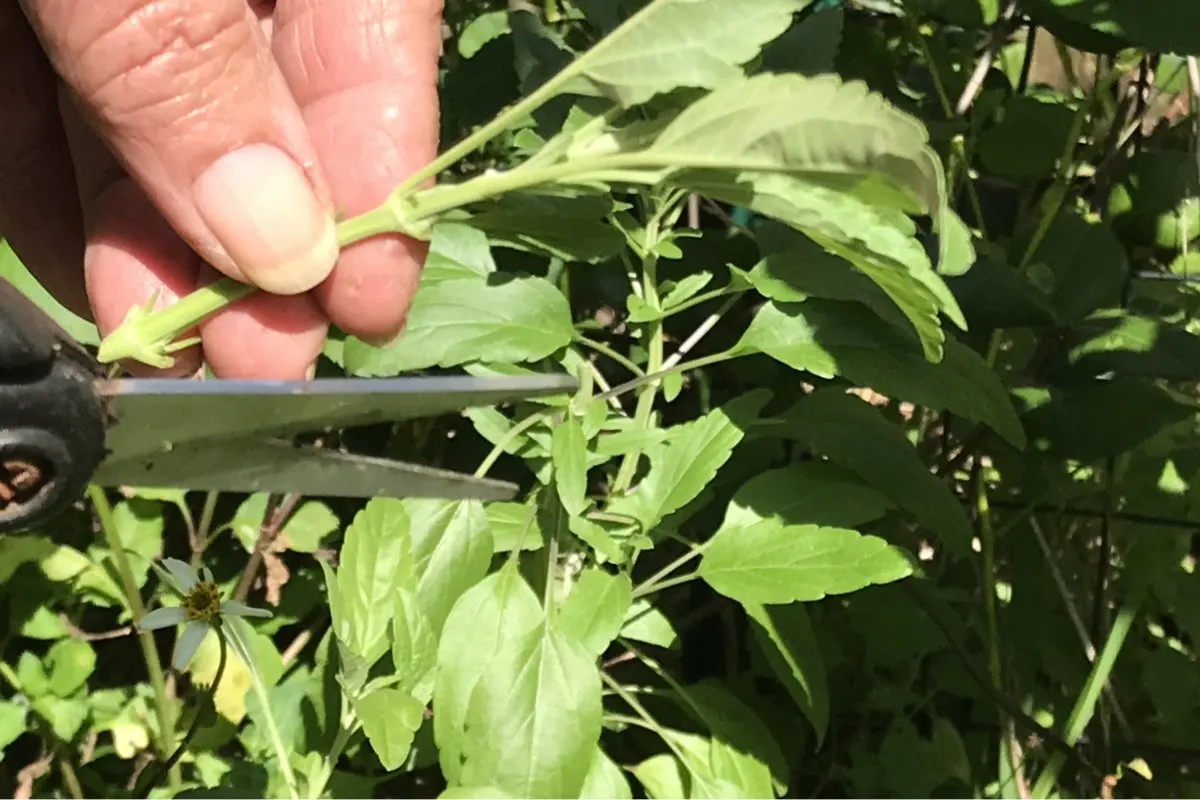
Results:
1085 706
241 646
345 731
605 350
152 781
513 434
678 580
654 348
158 682
651 584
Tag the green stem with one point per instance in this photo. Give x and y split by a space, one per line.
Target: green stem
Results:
241 646
345 731
605 350
679 580
651 584
158 682
192 730
1085 706
513 434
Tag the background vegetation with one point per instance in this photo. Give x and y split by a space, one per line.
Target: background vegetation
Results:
840 548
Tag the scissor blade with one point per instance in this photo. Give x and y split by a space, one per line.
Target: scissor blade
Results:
151 414
256 465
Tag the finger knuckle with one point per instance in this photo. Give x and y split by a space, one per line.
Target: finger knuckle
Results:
160 62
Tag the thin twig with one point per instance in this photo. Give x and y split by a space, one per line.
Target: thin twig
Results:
81 635
1000 34
266 537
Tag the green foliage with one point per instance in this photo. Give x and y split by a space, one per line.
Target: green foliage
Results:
880 480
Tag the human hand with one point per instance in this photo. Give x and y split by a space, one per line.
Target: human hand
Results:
144 138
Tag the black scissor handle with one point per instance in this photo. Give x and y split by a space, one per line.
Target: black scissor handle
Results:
52 424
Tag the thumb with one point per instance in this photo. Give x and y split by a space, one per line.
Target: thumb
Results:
186 95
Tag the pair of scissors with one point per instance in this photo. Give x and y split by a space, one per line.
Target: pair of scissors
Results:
64 425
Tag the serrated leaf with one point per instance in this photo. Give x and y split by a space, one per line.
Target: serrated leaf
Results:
390 718
682 43
856 436
595 609
500 608
786 637
861 233
773 563
535 717
457 251
1088 264
683 466
820 126
376 560
459 321
1134 346
568 451
812 492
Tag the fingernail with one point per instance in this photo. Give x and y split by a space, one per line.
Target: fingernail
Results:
311 372
260 207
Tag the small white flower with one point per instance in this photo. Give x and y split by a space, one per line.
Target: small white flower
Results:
200 609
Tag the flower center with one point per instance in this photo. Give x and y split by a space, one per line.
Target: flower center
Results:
202 603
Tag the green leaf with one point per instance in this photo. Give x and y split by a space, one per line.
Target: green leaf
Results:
535 717
773 563
818 126
785 635
1028 140
684 465
12 722
500 608
605 780
451 549
414 647
794 268
1134 346
16 273
646 623
681 43
811 492
662 777
810 46
390 718
568 451
743 753
994 295
854 435
457 251
484 28
1088 264
458 321
828 338
1105 418
71 663
376 561
514 525
595 609
569 228
870 237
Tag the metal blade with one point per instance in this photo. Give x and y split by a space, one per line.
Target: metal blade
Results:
151 415
256 465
